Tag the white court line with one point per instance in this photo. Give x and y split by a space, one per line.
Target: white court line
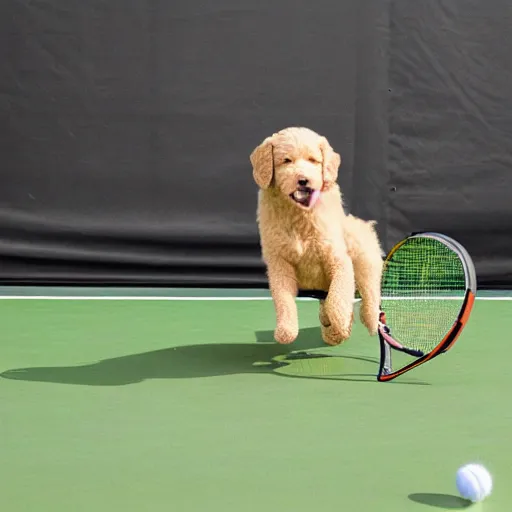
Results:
149 298
163 298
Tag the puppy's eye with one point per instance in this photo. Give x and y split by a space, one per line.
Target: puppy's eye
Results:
313 160
287 161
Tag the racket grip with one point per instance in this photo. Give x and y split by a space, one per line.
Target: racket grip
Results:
413 352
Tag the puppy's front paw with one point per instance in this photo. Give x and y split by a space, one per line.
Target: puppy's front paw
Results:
332 336
286 334
340 319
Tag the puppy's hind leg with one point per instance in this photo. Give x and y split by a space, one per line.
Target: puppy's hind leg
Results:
368 275
367 260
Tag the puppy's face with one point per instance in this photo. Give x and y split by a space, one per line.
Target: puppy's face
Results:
298 166
298 162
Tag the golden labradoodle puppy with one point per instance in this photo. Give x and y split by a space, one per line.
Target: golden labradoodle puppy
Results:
307 240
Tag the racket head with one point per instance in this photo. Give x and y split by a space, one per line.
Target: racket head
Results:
428 290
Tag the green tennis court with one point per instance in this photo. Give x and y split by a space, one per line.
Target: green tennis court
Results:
163 400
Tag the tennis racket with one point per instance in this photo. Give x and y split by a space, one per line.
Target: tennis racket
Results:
428 290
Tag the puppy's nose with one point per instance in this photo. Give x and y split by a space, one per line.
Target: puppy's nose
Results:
303 182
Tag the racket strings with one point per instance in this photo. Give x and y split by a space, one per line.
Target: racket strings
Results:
423 289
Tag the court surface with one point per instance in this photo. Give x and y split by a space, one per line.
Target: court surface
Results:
168 400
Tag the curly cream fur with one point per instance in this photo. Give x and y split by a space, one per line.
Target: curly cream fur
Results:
320 248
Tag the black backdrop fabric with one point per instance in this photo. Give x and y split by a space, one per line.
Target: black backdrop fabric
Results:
126 129
450 127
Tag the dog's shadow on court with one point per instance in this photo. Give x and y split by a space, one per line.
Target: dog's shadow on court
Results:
307 357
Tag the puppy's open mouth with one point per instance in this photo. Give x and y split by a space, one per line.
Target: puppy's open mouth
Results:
305 196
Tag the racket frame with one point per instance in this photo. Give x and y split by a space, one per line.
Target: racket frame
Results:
388 343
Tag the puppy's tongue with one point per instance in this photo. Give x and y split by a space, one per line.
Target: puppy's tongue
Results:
315 195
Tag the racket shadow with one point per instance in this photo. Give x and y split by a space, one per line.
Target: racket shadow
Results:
443 501
333 361
309 348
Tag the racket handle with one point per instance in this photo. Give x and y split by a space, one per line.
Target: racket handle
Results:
413 352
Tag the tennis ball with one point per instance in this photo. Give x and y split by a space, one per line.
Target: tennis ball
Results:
474 482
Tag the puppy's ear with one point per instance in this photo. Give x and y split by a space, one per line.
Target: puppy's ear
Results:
262 161
331 163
